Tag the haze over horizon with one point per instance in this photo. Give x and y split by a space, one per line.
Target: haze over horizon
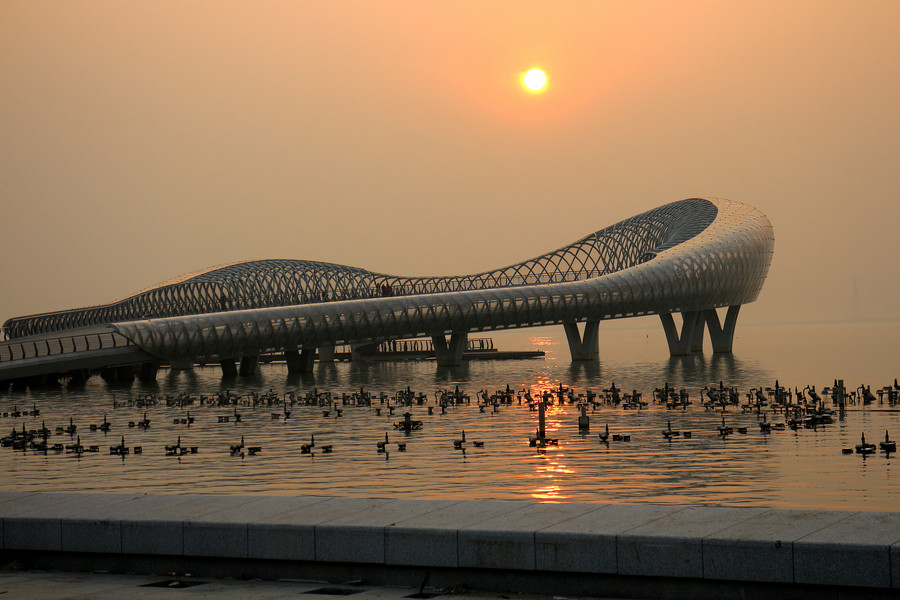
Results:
146 140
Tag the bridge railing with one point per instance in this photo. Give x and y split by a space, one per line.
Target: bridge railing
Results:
426 345
422 345
21 350
415 286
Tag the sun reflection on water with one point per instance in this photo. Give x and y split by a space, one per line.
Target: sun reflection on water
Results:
547 471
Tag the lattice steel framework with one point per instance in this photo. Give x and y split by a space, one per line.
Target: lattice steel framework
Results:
687 256
269 283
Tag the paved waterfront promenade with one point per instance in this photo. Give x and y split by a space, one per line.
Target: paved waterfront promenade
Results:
595 550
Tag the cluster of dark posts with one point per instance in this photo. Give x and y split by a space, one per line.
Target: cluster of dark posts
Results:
799 408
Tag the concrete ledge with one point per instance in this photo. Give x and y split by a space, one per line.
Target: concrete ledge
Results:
855 550
672 546
762 548
502 541
508 540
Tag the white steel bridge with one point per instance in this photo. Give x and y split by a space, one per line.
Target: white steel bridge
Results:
690 257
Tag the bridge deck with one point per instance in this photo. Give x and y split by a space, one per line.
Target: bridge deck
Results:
85 348
690 257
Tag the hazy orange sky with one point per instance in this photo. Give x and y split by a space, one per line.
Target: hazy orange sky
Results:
143 140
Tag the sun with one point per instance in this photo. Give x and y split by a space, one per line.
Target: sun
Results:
535 80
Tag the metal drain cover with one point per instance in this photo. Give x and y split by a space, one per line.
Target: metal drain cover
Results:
335 591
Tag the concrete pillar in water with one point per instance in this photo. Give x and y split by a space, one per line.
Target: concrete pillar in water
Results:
249 364
122 374
79 376
36 382
681 345
722 335
326 354
697 337
228 367
449 354
292 359
148 371
300 361
307 359
583 346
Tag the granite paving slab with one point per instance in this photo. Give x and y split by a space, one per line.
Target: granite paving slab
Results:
58 504
360 536
587 543
159 527
259 508
672 545
225 530
37 524
508 540
12 497
761 548
432 539
855 550
291 535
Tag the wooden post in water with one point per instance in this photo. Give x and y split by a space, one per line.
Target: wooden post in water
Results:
542 422
584 421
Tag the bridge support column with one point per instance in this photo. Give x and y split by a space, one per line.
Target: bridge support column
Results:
449 354
249 364
697 338
326 354
682 345
34 382
79 377
586 346
148 371
123 374
722 336
300 361
228 367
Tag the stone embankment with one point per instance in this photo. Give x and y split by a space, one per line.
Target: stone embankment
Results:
595 550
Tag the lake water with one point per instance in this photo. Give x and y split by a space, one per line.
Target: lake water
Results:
802 468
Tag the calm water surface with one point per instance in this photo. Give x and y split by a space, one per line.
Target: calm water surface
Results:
803 468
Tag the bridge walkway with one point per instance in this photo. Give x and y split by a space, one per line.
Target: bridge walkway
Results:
76 352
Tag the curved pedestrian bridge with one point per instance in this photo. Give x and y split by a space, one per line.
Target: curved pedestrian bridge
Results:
690 257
